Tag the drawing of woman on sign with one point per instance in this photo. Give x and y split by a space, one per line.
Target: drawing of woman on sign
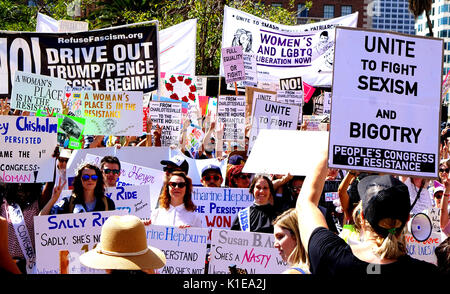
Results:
243 38
323 44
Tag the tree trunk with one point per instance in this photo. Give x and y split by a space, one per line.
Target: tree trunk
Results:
430 27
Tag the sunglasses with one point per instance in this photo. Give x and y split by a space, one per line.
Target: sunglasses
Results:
447 170
87 177
114 171
244 176
438 196
209 178
180 185
63 159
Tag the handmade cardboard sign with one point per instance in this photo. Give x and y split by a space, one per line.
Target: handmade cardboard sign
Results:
233 64
168 116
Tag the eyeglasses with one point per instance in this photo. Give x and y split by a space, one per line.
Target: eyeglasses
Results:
175 184
447 170
114 171
63 159
210 178
244 176
87 177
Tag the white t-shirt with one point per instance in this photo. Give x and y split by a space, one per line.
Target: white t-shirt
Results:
175 216
424 202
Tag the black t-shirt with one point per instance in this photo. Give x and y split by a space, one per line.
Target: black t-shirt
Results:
261 218
330 255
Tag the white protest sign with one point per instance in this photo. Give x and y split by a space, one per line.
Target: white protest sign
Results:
168 116
273 115
262 96
423 250
113 113
233 63
251 251
282 50
434 214
57 236
27 145
291 97
392 80
315 122
327 103
286 151
231 112
33 92
185 249
219 206
134 200
136 175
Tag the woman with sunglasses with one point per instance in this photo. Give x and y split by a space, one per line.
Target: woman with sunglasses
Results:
237 179
88 194
175 203
259 216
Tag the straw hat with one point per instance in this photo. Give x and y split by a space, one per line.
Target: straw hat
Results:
123 245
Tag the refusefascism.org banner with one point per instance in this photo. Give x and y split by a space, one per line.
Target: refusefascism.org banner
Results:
121 59
286 51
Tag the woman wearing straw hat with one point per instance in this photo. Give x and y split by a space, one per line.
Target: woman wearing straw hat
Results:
175 203
88 194
123 246
385 211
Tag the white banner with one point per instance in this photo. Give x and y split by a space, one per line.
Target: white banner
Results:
61 239
185 249
386 106
177 47
251 251
219 206
27 144
286 51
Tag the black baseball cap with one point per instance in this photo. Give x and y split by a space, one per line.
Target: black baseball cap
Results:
384 197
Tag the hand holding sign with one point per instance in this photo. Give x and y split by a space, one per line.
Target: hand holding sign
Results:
4 107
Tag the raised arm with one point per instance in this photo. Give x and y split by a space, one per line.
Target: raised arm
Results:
309 215
343 194
444 204
56 192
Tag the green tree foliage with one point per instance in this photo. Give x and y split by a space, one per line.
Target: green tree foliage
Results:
17 17
209 15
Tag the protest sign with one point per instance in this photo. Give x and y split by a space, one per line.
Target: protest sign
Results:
251 74
272 115
112 59
385 76
32 92
308 91
285 151
294 97
27 144
112 113
434 214
233 64
47 24
177 47
168 116
219 206
179 87
231 112
70 131
136 175
423 250
281 50
194 138
72 233
291 84
251 94
315 122
251 251
134 200
185 249
327 103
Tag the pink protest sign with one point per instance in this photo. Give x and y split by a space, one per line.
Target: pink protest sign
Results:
233 64
308 91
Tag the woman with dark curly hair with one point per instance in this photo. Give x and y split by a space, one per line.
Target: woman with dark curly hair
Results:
88 194
175 203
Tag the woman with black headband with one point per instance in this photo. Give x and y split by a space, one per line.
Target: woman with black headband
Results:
385 212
